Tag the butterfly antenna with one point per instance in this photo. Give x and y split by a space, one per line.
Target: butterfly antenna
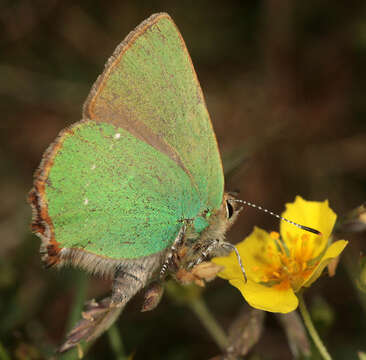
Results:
239 259
306 228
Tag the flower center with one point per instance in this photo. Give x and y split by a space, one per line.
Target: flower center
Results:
290 264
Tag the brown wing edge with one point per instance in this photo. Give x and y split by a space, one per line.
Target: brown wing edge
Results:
42 224
118 52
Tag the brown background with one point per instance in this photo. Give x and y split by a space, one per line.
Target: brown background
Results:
285 85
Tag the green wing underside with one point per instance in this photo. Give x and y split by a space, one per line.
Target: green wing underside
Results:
147 157
112 194
150 88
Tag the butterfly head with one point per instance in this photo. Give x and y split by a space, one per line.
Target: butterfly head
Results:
229 210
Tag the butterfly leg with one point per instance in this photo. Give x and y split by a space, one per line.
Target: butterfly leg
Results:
210 249
201 251
173 250
97 317
204 251
152 296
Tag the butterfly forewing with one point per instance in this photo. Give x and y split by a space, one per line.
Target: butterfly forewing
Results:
150 89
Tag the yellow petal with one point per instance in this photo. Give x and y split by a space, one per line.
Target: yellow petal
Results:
315 214
230 266
257 251
267 298
332 252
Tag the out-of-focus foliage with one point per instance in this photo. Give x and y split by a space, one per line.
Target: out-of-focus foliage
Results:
285 83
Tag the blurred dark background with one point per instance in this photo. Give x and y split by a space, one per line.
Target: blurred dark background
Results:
285 83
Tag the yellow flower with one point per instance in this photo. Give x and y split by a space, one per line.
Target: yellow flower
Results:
279 265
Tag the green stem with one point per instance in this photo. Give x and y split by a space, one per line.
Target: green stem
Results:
81 285
115 342
199 307
3 353
312 331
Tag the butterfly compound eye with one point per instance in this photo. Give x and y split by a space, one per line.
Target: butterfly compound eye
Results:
229 209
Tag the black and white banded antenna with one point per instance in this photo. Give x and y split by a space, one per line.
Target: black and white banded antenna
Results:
303 227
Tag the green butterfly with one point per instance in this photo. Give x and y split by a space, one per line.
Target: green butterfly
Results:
119 192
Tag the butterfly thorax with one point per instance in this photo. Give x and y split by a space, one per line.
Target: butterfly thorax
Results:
210 240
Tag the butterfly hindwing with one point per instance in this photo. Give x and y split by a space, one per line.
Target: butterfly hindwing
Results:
112 194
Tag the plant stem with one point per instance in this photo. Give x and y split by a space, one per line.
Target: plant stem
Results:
3 353
81 285
199 307
115 342
312 331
